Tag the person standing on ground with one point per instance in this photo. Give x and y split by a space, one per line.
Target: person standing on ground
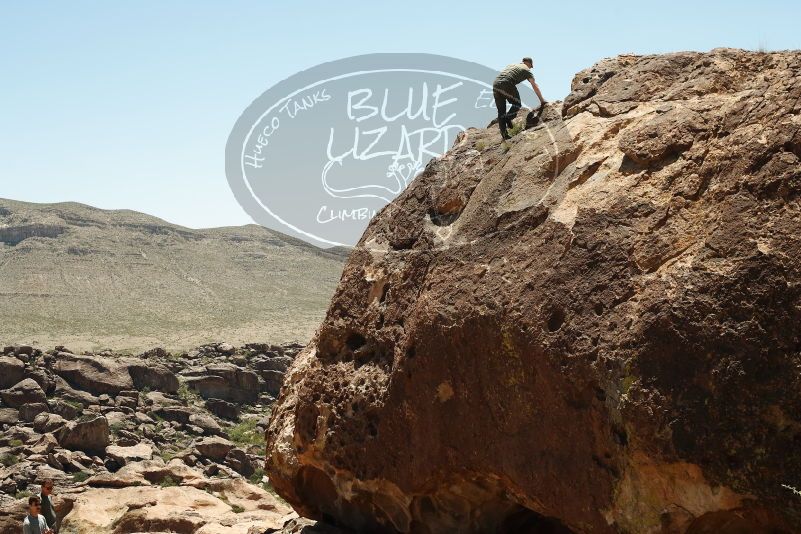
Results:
504 89
48 510
34 522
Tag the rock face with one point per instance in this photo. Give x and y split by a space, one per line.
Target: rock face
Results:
593 327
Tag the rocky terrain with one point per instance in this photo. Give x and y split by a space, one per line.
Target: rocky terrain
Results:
93 279
594 327
168 442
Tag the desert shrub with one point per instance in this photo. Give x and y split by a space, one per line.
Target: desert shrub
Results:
167 454
186 394
80 476
257 475
168 482
246 433
75 404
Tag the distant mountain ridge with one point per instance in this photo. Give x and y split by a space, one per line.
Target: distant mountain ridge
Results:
126 280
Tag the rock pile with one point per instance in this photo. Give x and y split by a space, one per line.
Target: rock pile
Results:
138 426
593 327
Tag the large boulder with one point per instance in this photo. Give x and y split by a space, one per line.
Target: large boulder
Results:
12 370
44 445
156 471
182 509
24 392
90 436
273 380
95 374
216 448
180 414
67 410
593 327
102 375
118 479
158 399
153 376
225 381
41 376
12 514
66 392
206 423
28 412
134 453
224 409
9 416
239 461
275 363
48 422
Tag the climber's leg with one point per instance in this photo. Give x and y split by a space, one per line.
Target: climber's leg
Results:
500 96
514 98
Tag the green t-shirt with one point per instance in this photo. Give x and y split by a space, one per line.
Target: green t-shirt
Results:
48 510
513 74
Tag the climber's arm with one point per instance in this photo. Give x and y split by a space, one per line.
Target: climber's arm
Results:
537 91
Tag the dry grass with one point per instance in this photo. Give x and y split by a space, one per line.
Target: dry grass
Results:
128 281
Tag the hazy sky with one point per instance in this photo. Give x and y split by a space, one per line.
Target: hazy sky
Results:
129 104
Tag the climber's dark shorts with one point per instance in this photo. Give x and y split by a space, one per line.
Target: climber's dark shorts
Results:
502 94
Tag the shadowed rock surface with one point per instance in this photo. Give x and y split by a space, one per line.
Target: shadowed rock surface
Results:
591 328
92 279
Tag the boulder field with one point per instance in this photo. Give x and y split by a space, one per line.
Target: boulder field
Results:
594 327
161 442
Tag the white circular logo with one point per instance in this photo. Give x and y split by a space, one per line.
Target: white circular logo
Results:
318 154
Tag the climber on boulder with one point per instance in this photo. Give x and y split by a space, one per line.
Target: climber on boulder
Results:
505 88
